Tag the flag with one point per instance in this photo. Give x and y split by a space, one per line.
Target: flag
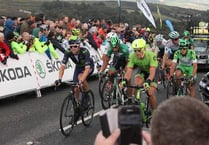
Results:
141 4
158 12
169 24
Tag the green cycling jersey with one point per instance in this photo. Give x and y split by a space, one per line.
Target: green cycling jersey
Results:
149 60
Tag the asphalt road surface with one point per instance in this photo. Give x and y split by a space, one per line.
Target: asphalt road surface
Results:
28 120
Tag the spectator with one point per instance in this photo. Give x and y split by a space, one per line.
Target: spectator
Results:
88 35
165 126
4 50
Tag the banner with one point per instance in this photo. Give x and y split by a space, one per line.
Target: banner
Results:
34 71
141 4
169 24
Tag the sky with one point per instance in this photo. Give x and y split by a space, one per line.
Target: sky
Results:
194 4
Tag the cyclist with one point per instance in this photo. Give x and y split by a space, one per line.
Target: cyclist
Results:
170 48
120 52
185 63
159 45
190 40
147 63
84 67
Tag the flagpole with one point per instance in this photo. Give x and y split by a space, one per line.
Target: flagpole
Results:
119 11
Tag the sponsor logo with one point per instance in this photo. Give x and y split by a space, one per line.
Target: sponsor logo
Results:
14 73
40 69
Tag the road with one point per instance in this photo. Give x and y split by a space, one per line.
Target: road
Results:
25 119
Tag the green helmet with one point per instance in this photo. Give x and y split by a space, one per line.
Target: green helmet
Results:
186 33
74 40
115 41
138 44
183 43
76 32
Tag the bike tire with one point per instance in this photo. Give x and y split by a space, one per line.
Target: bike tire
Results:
170 90
148 113
88 115
107 95
67 116
101 83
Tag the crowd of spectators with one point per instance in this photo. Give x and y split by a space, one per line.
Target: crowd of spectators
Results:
36 33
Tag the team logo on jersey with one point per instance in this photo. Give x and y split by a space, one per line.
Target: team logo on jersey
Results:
40 69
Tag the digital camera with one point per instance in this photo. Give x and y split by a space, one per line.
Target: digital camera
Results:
128 119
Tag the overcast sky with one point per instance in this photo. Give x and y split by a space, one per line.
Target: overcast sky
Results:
195 4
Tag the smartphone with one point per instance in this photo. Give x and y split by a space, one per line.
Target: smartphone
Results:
130 123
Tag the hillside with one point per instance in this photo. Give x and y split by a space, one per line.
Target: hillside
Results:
106 9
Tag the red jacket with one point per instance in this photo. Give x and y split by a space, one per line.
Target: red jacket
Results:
4 49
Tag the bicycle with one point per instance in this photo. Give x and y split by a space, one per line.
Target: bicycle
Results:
162 77
111 92
102 78
71 110
145 107
173 89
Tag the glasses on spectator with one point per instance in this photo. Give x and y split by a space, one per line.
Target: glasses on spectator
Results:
74 46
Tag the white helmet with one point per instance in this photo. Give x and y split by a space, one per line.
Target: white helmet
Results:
110 35
159 38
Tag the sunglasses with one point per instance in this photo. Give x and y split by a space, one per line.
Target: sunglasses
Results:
74 46
137 51
182 48
175 39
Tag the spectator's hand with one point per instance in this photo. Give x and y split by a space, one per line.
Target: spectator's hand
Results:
4 61
57 82
111 140
146 137
16 57
147 84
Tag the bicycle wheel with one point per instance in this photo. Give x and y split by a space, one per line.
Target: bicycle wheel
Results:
67 116
88 114
170 90
148 113
107 94
101 84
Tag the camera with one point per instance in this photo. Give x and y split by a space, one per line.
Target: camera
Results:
128 119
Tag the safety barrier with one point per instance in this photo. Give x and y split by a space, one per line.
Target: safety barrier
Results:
34 71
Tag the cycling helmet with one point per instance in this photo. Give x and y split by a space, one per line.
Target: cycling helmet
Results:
173 35
204 88
76 32
159 38
74 40
183 43
138 44
110 35
115 41
186 33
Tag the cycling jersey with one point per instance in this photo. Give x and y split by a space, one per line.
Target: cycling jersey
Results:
159 48
144 64
81 60
122 49
170 48
186 60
